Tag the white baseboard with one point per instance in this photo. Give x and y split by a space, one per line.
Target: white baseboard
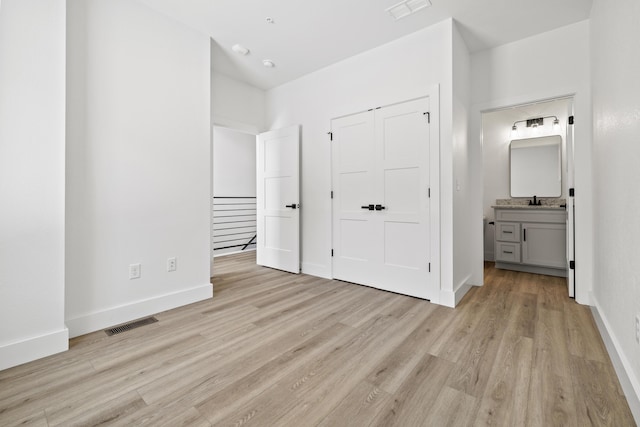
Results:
317 270
628 381
452 298
461 292
446 298
17 353
113 316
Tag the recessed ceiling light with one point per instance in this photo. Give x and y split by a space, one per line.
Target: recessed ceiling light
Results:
240 49
406 8
268 63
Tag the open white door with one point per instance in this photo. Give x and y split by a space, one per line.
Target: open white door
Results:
278 199
571 277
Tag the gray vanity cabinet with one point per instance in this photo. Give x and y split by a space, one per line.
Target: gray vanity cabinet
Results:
531 240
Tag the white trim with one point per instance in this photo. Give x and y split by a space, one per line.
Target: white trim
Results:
446 298
452 298
434 184
20 352
113 316
224 122
628 381
461 292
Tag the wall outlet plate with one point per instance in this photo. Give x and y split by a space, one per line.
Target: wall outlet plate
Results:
172 264
135 271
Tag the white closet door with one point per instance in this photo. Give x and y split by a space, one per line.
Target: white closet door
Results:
381 158
278 196
353 161
402 138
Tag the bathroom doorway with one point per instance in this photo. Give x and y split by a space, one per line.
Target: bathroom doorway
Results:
528 121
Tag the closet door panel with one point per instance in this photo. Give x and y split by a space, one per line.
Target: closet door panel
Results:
402 132
353 161
381 217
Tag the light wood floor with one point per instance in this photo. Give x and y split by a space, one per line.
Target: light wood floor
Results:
274 349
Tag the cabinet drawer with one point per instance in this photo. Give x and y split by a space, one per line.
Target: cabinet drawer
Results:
508 231
507 252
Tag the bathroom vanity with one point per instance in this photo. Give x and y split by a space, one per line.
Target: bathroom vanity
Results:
531 238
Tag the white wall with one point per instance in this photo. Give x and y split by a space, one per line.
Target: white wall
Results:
234 163
464 217
138 156
496 136
616 126
400 70
32 146
542 67
237 105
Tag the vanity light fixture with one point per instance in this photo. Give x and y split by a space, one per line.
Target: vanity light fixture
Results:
534 123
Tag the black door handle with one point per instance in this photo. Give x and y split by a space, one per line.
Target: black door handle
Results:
380 207
293 206
370 207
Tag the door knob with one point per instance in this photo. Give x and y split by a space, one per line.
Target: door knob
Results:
370 207
292 206
380 207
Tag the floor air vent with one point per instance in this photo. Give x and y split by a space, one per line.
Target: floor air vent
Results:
131 325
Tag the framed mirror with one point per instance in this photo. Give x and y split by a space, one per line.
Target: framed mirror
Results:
536 167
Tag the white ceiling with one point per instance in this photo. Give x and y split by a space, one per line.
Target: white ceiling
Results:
308 35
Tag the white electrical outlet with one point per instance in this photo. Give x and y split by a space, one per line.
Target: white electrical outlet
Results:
638 328
135 271
172 264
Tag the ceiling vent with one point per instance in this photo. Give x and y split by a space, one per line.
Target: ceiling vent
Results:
407 7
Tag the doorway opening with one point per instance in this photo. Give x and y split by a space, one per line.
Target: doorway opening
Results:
520 122
234 192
